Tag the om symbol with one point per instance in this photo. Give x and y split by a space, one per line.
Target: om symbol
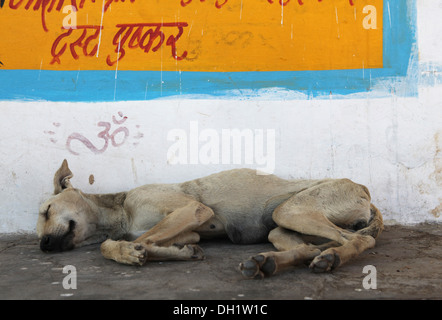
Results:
105 135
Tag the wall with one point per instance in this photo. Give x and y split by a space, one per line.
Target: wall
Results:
388 136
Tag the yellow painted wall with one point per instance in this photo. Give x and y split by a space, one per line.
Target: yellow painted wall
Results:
211 35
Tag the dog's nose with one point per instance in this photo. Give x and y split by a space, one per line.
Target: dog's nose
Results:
47 243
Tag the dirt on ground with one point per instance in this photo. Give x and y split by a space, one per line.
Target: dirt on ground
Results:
405 264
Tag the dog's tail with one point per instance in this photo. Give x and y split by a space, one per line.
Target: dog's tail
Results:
375 225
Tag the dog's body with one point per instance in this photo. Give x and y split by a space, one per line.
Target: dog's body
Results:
306 220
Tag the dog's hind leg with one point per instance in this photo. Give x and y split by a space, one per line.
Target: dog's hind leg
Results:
312 212
317 212
293 250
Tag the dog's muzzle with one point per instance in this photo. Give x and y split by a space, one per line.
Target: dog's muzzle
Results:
48 243
56 243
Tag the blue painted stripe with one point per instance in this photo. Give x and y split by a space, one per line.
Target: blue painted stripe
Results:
398 74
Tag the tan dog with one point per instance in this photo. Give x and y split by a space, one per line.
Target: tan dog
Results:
325 222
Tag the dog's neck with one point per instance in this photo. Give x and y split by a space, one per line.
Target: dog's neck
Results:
111 218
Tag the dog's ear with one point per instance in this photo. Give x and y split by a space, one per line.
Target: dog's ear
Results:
61 178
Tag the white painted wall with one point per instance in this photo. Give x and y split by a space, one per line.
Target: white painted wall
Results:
392 145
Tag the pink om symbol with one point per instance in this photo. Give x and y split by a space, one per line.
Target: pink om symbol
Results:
105 135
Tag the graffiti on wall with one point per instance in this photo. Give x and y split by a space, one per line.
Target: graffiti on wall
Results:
110 134
200 46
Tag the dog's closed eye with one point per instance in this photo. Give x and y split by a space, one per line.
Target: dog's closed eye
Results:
46 213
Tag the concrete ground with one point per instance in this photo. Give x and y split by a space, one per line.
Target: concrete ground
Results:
407 260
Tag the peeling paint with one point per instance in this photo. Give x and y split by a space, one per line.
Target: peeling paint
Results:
437 211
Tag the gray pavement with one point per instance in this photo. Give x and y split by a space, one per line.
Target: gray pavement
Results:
407 261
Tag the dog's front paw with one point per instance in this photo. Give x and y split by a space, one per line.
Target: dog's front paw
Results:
132 253
198 253
125 252
258 267
189 252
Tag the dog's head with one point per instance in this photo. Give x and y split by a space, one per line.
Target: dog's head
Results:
65 220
